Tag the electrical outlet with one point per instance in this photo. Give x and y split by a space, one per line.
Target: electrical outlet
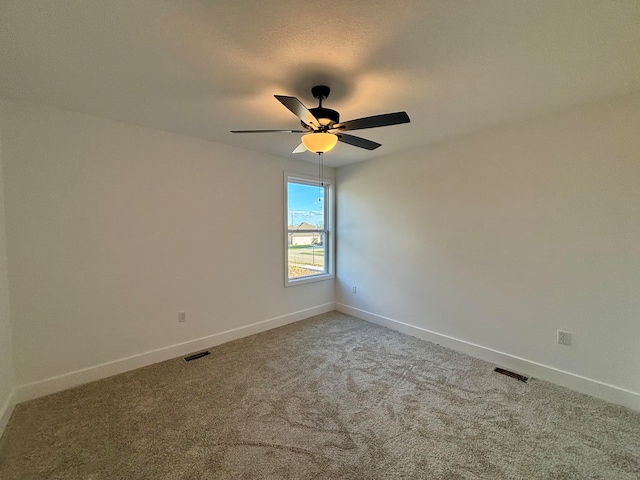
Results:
354 289
182 317
564 338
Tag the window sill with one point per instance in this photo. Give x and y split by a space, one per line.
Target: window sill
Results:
302 280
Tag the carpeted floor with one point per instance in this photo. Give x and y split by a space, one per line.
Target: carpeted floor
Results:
329 397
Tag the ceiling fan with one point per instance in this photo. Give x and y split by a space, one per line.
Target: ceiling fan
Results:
322 126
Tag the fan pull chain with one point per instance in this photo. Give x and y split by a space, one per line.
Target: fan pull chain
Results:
320 174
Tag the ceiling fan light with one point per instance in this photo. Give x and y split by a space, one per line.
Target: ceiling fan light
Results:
319 142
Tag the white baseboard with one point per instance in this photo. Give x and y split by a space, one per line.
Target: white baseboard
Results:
575 382
6 410
58 383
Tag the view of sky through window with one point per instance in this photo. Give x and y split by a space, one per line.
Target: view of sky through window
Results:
306 204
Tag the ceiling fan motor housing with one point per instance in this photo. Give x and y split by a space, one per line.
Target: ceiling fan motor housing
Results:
325 116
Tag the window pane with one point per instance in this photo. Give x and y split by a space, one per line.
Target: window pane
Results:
306 206
306 236
306 254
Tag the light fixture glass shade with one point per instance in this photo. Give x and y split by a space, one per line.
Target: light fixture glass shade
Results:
319 142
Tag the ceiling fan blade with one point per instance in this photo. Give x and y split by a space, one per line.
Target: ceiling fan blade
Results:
269 131
383 120
357 141
300 148
299 110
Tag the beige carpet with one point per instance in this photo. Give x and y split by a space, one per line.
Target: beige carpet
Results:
329 397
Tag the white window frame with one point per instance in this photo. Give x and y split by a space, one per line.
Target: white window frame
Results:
329 228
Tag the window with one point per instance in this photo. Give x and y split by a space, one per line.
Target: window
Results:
308 239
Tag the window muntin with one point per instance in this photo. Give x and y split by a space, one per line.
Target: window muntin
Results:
308 238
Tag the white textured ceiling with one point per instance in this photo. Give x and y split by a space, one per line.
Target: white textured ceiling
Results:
202 68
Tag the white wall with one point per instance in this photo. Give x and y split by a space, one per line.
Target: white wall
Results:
501 238
6 359
113 229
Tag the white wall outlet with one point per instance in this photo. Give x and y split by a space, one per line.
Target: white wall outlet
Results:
564 338
354 289
182 317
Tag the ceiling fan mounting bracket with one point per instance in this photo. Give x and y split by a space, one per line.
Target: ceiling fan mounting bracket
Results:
321 92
